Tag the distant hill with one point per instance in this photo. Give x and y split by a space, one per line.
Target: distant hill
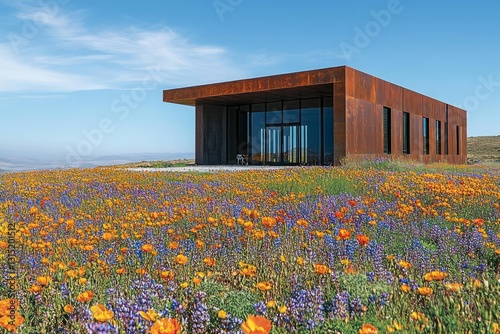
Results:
483 149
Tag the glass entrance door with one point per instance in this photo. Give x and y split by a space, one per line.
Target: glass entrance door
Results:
283 144
273 145
291 144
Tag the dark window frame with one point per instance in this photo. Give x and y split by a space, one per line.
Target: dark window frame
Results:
406 133
387 124
425 134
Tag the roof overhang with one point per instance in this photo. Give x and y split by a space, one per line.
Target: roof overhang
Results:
289 86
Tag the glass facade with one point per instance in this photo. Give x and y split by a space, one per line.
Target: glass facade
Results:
283 133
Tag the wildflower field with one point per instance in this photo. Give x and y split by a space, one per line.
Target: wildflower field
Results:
359 249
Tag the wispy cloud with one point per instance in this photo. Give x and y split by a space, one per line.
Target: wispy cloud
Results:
71 56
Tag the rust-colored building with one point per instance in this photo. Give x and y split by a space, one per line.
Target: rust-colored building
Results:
319 117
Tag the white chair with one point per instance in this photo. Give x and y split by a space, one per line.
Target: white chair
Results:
240 159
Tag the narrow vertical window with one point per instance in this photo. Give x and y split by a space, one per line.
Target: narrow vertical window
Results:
446 132
387 130
458 140
425 128
406 133
438 137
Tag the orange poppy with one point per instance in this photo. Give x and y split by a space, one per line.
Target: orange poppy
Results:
435 276
11 324
344 234
147 248
166 326
101 313
256 325
181 259
363 239
321 269
85 296
424 291
268 222
368 329
264 286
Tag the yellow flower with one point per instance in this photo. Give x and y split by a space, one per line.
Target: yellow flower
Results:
282 309
184 285
222 314
166 326
44 280
101 313
197 280
405 288
209 261
82 281
141 271
282 258
405 264
35 288
150 315
121 271
256 325
271 303
455 287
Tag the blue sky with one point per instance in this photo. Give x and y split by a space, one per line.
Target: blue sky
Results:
87 76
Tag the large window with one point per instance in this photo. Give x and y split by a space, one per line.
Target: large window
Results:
425 128
446 132
257 137
387 130
458 139
406 133
310 131
284 132
438 137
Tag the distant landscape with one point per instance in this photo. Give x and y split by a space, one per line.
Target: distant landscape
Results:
481 149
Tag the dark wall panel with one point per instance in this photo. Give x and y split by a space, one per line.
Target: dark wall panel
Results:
214 135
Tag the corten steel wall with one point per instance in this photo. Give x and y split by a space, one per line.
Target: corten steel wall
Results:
366 96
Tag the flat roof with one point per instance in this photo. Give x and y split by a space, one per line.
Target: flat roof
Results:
312 83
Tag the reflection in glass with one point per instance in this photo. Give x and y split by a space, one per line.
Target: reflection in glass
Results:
273 144
257 139
291 112
273 113
311 132
291 144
